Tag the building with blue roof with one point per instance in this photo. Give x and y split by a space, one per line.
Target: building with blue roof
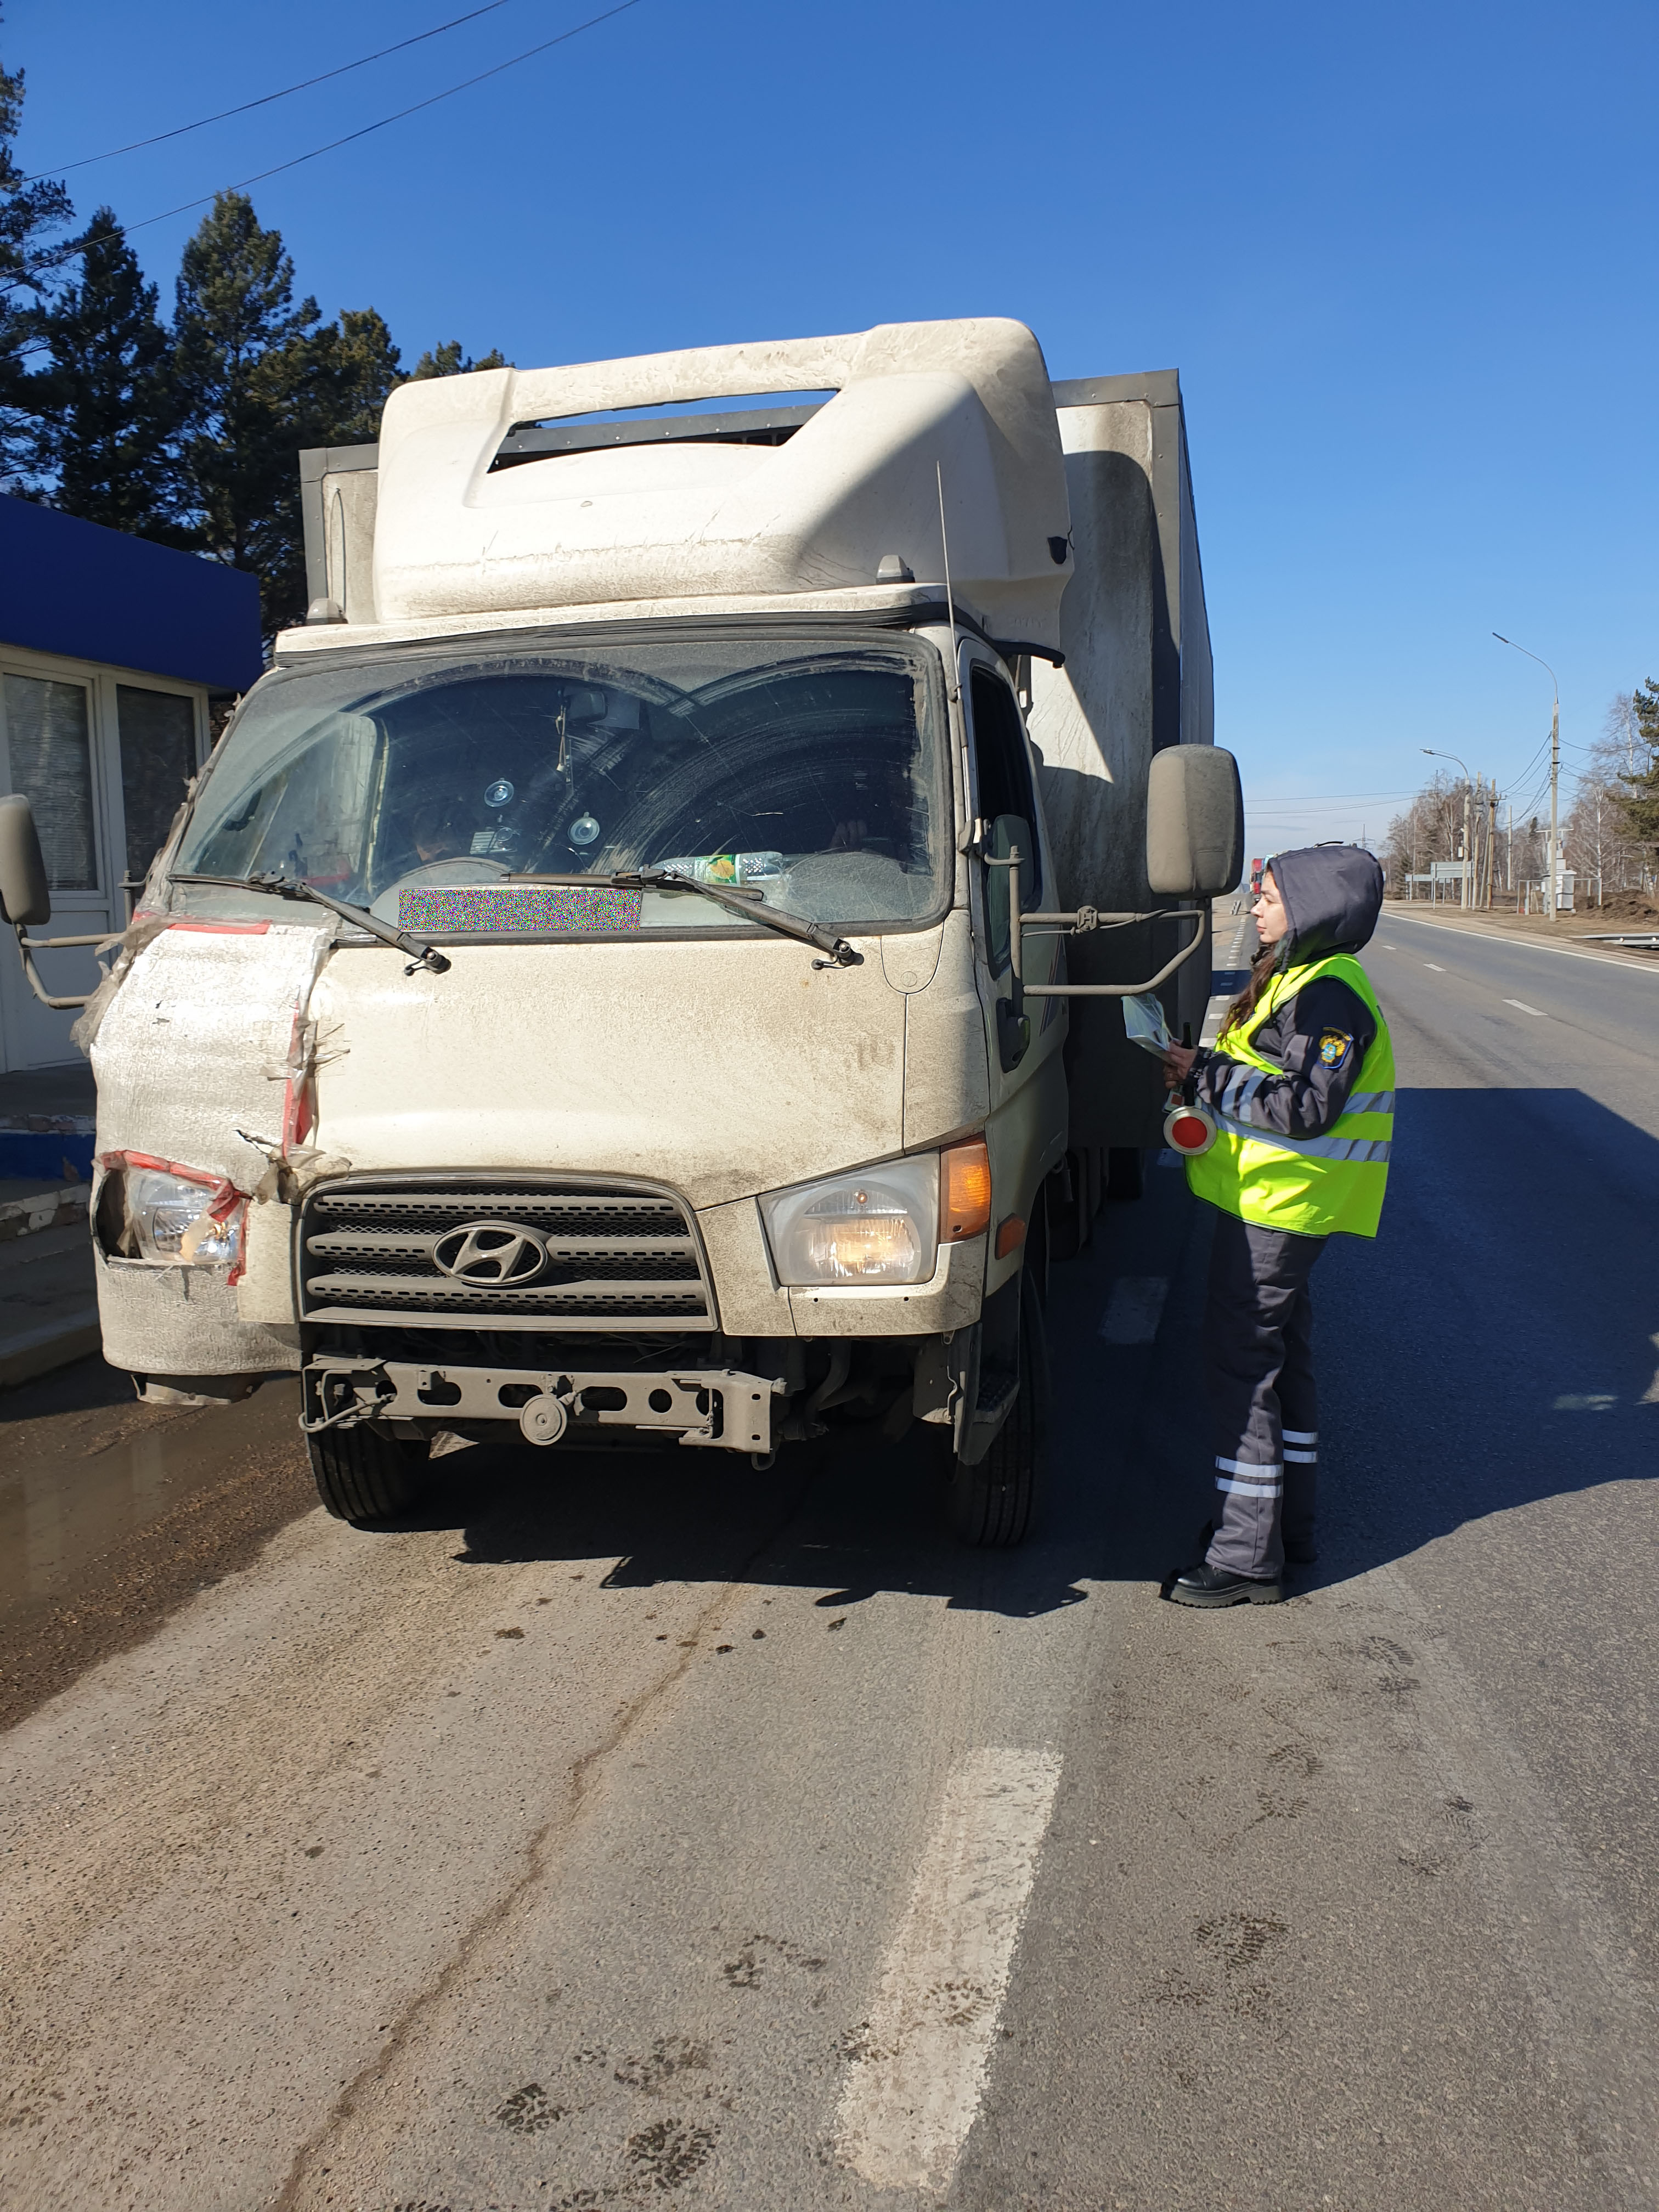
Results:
112 652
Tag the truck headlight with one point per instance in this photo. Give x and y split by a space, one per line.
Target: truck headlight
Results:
174 1220
876 1225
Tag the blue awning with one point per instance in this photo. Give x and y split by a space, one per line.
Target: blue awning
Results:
75 588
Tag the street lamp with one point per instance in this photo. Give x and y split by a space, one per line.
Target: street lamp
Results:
1555 762
1464 900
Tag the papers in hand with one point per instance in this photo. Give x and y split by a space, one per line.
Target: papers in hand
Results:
1144 1024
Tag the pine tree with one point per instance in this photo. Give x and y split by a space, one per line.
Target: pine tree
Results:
108 411
449 361
246 361
28 214
359 365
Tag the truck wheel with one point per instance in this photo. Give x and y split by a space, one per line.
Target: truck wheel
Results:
1068 1217
1125 1176
991 1504
365 1477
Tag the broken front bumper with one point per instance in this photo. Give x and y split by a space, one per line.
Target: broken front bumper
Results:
717 1406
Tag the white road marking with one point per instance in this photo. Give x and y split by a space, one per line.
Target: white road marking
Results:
1526 1009
920 2072
1134 1309
1385 948
1435 964
1629 963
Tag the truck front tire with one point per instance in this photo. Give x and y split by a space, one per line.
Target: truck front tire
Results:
991 1504
365 1477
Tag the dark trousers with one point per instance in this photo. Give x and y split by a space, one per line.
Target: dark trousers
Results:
1258 1357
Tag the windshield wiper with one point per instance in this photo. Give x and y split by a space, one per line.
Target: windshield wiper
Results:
839 953
291 887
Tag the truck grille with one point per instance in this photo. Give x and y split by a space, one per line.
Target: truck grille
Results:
502 1253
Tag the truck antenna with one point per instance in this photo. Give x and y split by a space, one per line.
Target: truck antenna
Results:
950 603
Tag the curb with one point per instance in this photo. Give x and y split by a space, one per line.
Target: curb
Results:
32 1351
43 1209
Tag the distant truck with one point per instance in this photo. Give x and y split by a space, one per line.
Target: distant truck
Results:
638 968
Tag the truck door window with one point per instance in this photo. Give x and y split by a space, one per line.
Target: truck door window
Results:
1009 808
1004 773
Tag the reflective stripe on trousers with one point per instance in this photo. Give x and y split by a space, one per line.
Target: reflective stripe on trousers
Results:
1258 1349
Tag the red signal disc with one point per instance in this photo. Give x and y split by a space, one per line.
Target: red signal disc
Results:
1188 1132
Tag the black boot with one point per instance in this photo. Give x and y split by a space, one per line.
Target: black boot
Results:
1204 1584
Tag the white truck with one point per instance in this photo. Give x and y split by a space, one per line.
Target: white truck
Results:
636 971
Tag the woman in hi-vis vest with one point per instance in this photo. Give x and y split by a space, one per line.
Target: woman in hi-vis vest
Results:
1300 1085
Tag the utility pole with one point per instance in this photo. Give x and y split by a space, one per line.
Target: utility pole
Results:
1555 770
1463 898
1492 838
1555 798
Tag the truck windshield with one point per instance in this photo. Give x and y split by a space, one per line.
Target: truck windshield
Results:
442 788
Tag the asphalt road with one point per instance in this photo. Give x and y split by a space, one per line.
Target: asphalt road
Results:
631 1833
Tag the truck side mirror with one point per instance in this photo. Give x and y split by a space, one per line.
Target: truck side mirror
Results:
1194 822
25 895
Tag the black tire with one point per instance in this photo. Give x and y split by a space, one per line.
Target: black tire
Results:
1095 1158
1124 1173
991 1504
365 1477
1068 1218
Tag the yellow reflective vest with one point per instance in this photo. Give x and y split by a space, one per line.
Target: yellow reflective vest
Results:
1311 1185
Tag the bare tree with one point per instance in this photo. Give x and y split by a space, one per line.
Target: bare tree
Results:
1430 829
1598 835
1591 842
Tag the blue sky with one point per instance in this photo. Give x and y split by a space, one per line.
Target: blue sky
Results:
1402 259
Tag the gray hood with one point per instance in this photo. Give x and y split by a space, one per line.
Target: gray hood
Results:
1332 895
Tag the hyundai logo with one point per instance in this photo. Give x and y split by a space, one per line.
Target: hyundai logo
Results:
490 1255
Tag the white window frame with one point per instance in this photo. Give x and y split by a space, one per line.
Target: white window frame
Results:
101 683
113 679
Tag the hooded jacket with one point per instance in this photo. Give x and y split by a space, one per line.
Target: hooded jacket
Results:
1332 896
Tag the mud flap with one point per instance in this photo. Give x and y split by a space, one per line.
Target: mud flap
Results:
991 1379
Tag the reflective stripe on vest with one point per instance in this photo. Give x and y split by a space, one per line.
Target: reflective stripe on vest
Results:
1310 1186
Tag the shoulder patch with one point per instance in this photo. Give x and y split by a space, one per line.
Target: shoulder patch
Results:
1334 1046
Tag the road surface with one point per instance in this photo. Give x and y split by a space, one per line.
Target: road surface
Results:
640 1832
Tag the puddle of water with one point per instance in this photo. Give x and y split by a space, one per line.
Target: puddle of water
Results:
77 1486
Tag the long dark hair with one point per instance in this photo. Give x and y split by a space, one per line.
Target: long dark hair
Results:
1263 969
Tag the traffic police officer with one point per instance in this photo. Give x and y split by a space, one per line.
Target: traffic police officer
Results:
1300 1085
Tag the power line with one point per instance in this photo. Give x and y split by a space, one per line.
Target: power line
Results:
63 168
126 229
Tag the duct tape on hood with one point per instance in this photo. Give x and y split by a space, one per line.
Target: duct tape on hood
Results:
206 1051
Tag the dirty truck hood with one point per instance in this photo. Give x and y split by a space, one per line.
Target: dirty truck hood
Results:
719 1068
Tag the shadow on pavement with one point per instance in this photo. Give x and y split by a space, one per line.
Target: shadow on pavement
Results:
1495 1346
1498 1344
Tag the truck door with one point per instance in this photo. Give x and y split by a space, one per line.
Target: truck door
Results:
1026 1131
